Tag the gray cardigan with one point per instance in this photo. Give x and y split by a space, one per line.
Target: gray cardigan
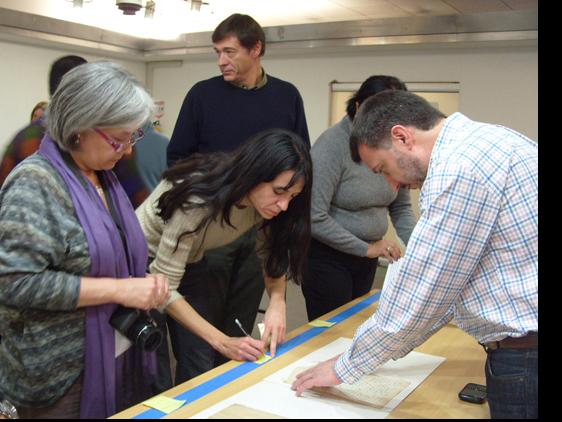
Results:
43 254
349 202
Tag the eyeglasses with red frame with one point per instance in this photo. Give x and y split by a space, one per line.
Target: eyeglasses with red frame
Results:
120 146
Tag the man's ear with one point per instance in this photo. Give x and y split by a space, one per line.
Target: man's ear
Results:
402 137
256 50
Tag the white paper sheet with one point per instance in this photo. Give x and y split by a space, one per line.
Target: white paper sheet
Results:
279 399
122 343
275 396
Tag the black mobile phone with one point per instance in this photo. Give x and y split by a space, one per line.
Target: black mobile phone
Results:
473 393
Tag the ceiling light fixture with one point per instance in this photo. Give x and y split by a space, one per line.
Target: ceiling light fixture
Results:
129 7
196 4
79 3
149 9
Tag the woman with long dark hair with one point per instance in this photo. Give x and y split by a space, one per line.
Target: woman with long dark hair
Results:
207 201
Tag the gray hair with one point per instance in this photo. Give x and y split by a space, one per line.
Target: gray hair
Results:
97 94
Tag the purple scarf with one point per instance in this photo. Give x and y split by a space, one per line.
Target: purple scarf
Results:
102 372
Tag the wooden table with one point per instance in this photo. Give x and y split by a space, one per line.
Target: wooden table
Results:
435 398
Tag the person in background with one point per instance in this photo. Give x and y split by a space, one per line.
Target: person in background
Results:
219 114
150 156
209 200
473 255
72 250
38 110
350 205
27 140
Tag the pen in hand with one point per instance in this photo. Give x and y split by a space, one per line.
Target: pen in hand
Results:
241 328
248 335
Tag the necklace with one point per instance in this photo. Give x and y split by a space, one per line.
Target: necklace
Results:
99 189
101 194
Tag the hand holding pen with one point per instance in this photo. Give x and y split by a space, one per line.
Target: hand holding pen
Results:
237 322
242 348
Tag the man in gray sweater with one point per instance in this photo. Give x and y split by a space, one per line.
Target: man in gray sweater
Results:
350 205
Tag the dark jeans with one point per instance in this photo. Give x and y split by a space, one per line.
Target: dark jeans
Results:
226 284
333 278
512 383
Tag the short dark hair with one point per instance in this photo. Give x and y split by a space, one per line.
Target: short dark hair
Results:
243 27
60 67
389 108
371 86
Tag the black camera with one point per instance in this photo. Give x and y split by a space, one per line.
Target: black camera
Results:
138 326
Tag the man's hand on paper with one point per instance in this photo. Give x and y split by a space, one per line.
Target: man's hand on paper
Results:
322 375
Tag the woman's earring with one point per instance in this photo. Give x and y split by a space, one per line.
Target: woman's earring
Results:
77 139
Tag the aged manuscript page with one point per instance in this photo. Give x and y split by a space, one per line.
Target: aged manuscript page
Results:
373 397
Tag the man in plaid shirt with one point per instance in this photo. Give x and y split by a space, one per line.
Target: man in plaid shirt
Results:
472 256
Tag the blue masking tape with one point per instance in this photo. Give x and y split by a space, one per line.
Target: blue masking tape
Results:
220 380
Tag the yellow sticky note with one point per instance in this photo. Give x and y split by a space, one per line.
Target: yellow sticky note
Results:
164 404
262 359
321 323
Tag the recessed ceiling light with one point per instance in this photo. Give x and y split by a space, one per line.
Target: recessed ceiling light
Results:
79 3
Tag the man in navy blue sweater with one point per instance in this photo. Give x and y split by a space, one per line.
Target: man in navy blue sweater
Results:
219 114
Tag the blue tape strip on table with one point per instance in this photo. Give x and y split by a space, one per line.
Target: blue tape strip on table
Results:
220 380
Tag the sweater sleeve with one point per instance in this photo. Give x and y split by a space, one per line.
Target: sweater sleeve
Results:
402 215
327 170
34 240
185 138
171 261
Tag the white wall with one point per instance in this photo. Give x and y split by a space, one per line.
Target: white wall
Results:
498 85
24 81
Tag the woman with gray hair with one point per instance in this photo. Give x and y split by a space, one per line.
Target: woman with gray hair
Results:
72 251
